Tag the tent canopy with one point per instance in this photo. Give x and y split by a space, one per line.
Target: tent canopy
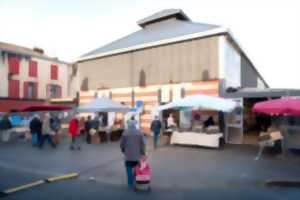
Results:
103 104
278 106
201 101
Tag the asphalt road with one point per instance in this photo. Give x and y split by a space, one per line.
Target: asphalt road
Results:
177 172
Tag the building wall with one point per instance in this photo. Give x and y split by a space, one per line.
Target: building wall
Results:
3 76
230 64
249 77
235 70
43 76
193 60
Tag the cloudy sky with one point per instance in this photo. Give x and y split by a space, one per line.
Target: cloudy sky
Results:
268 30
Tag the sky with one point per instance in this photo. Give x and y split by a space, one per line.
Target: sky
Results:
267 30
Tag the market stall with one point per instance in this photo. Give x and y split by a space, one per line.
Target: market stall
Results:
20 119
283 106
205 135
105 105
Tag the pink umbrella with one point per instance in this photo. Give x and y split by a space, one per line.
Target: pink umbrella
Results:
287 105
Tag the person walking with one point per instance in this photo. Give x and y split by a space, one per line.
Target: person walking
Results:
155 128
35 127
87 127
46 132
55 126
81 125
5 125
74 132
133 147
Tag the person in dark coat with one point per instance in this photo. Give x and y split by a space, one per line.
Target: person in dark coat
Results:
209 122
88 126
35 127
55 125
5 125
133 147
155 128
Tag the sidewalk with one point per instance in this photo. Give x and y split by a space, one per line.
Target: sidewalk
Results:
173 167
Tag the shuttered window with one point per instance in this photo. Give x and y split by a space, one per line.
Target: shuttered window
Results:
58 91
13 65
54 72
30 90
35 90
25 90
13 89
54 91
32 68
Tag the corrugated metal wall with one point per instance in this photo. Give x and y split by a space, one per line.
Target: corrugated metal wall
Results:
193 60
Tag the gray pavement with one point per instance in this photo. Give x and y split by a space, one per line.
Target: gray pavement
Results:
177 172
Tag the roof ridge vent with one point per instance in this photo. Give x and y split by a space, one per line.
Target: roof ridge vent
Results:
163 15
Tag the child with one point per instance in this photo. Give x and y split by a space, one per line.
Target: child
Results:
142 174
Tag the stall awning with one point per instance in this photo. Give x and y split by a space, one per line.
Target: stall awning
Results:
201 101
103 104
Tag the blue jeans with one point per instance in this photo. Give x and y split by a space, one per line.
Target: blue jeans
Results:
129 171
155 139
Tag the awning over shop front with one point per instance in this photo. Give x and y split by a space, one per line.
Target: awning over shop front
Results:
9 105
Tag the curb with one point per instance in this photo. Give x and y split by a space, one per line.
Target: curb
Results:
283 183
37 183
62 177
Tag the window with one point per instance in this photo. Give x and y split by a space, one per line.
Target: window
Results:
13 89
54 72
13 64
32 68
30 90
53 91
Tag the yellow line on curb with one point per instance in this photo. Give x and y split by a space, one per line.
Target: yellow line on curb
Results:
37 183
22 187
66 176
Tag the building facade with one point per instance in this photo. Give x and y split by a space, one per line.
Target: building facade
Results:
170 57
28 77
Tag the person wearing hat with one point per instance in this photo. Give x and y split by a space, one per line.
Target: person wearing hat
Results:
133 147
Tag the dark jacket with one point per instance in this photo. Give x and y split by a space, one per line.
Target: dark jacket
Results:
88 125
132 144
95 123
35 126
5 124
55 123
155 126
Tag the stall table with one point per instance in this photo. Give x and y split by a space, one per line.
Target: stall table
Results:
15 133
110 134
199 139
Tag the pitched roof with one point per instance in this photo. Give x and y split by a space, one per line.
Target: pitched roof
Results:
15 49
167 24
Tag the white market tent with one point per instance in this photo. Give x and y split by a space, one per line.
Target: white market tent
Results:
201 101
103 104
